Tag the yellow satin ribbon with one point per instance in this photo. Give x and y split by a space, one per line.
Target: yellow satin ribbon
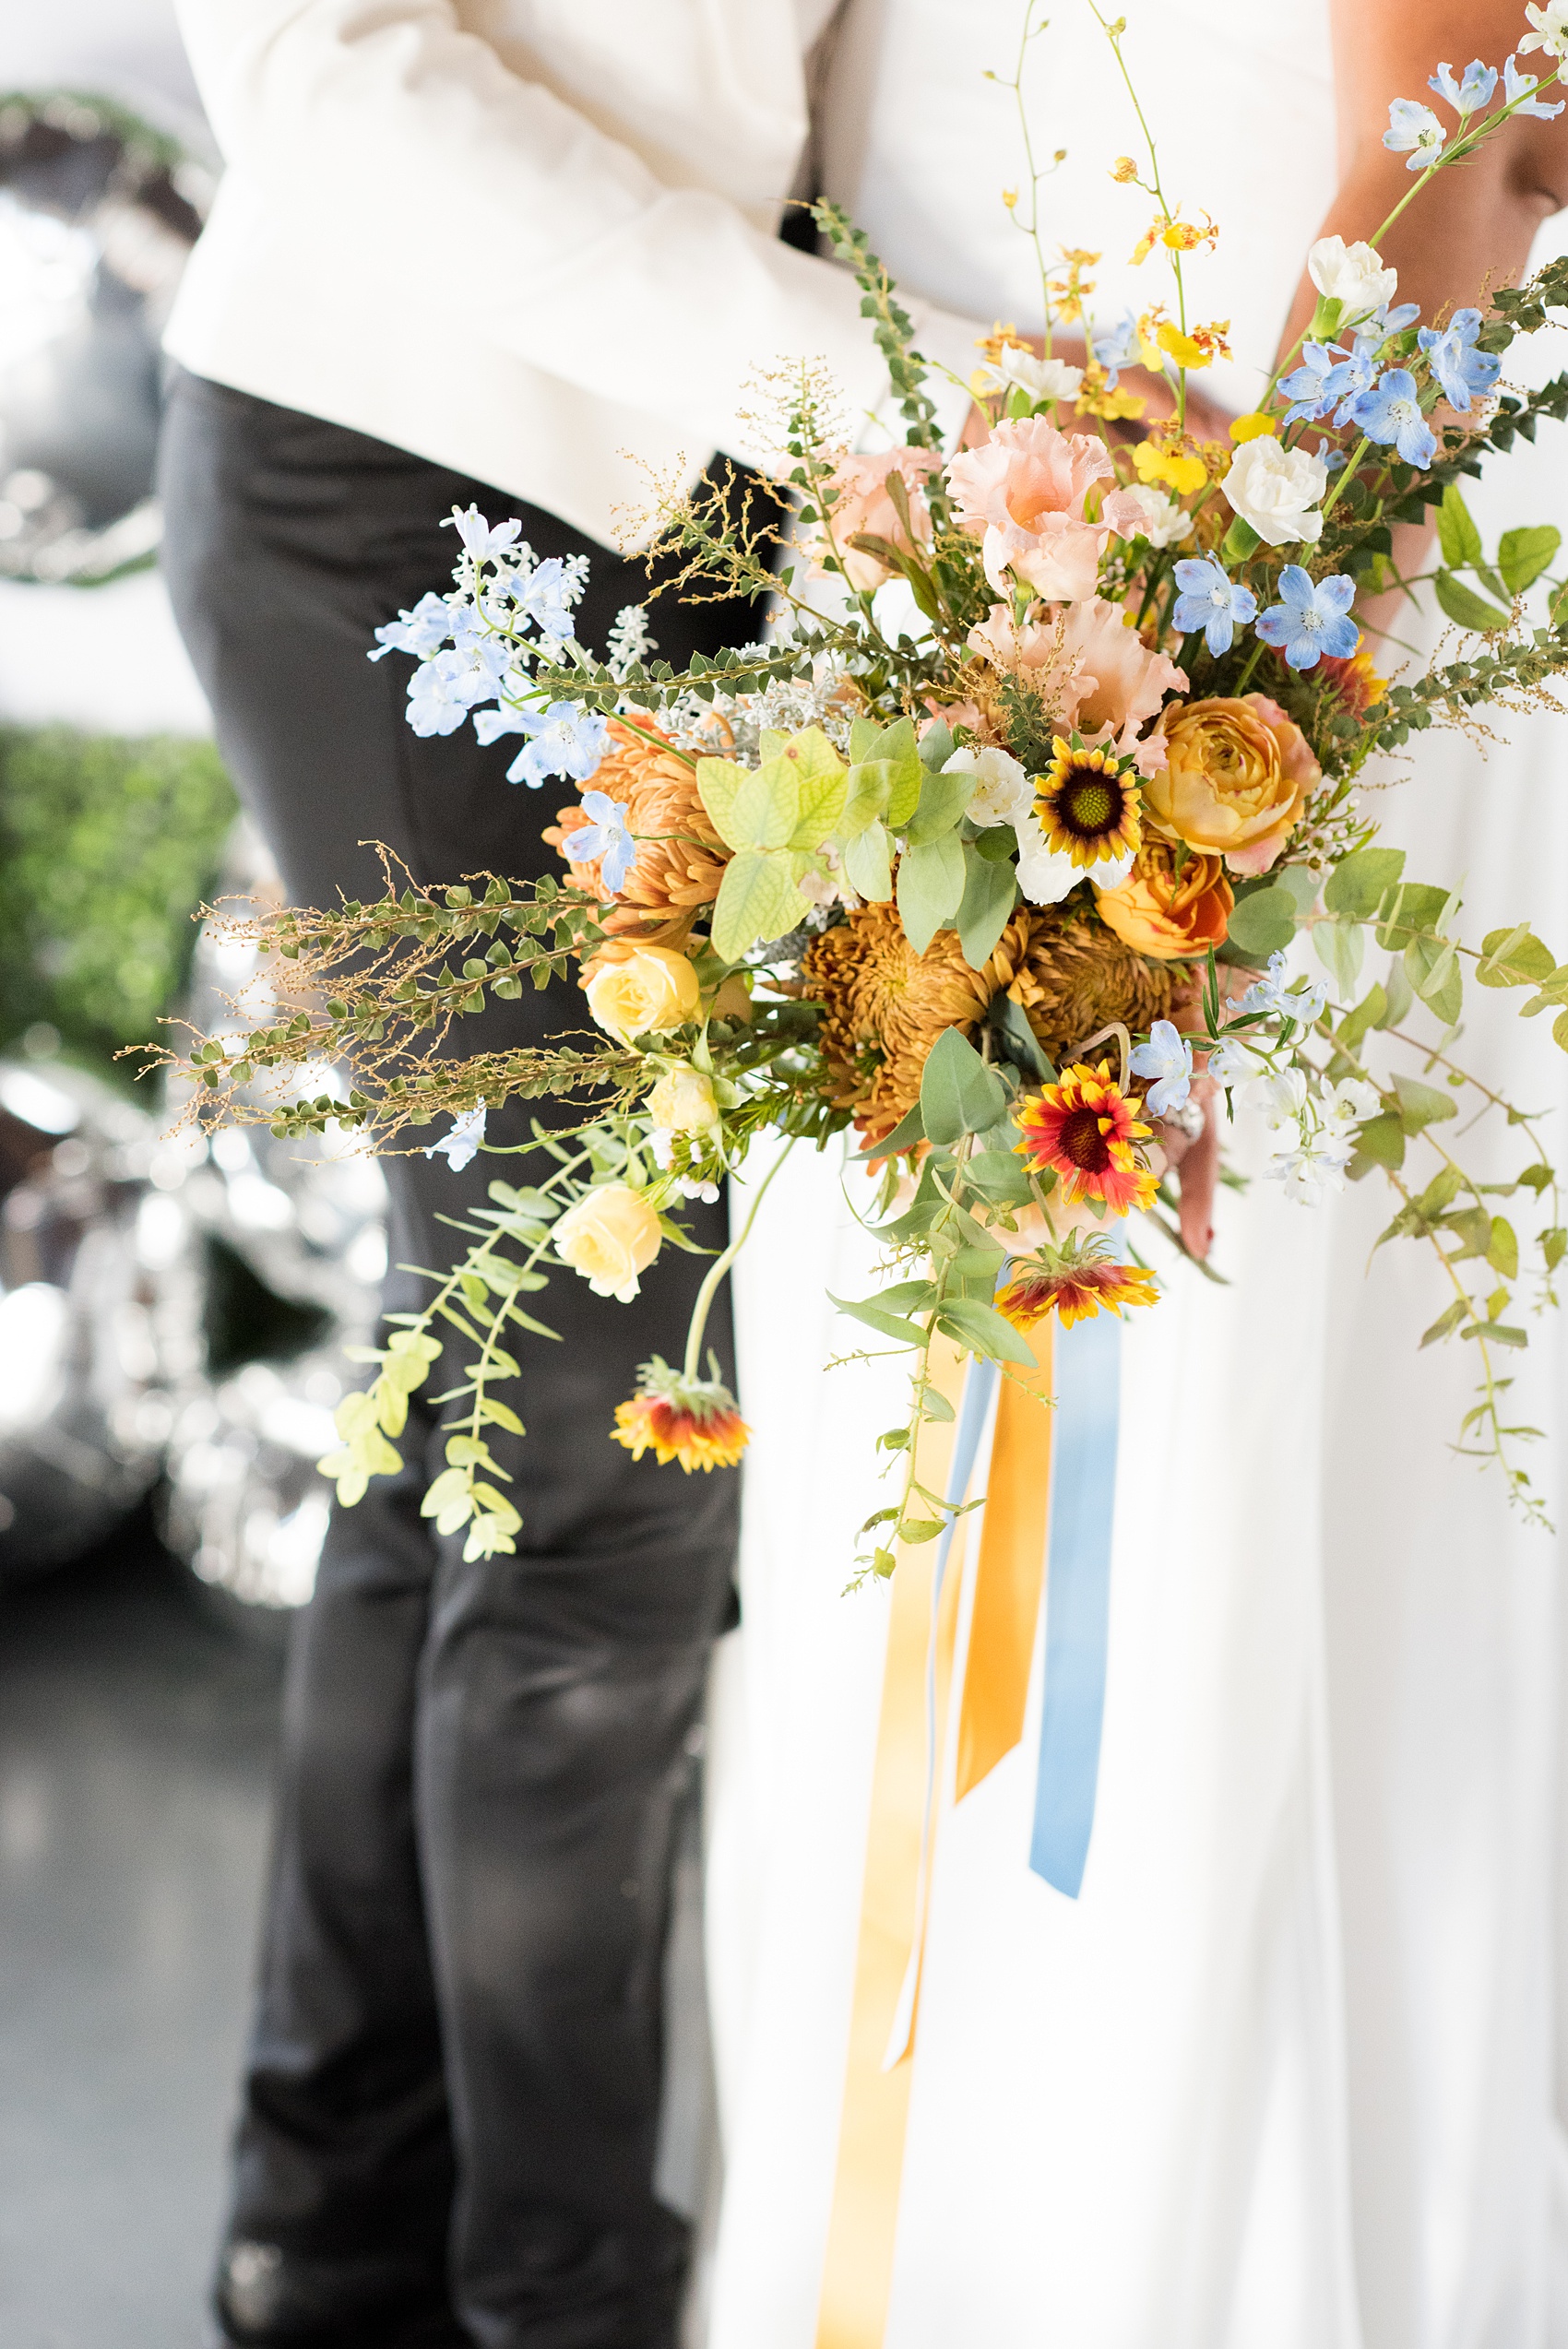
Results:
1009 1579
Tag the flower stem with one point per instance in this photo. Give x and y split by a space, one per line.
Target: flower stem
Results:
720 1265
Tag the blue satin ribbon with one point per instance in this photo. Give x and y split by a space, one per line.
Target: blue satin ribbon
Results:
1083 1496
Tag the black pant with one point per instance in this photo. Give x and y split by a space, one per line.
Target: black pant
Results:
456 2068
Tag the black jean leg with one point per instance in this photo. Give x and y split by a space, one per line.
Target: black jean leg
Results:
476 1758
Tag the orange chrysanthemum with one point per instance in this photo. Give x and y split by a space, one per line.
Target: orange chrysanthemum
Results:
1089 803
695 1421
1074 1282
1086 1131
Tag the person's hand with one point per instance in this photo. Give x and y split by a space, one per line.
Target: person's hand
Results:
1196 1160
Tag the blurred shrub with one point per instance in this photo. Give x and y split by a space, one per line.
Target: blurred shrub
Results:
106 849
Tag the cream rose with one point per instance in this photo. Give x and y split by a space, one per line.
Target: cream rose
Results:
610 1237
683 1102
651 989
1276 489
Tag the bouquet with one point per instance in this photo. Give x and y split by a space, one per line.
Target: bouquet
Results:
998 849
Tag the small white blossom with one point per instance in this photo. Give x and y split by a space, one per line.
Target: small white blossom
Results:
1164 523
1233 1062
1551 31
1003 792
1020 368
462 1143
1353 275
1168 1058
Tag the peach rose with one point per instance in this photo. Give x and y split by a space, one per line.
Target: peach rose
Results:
1022 494
1160 912
1093 669
864 506
1237 777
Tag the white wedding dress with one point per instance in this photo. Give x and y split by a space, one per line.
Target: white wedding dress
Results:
1282 2077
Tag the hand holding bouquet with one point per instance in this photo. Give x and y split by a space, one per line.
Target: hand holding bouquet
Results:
997 847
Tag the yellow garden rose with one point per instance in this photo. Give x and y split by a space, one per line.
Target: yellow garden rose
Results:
610 1237
650 989
1237 777
683 1102
1158 912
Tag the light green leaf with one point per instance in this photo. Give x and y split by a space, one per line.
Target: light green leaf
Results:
502 1416
1457 535
868 863
983 1329
886 775
1523 555
885 1325
768 806
1559 1030
959 1094
1446 1322
1359 886
1367 1012
1433 972
989 894
718 779
1503 1253
1339 946
931 888
1420 1105
1514 959
809 763
756 900
1396 987
1262 922
1465 607
1381 1141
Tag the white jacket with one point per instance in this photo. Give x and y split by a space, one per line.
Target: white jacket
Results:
518 237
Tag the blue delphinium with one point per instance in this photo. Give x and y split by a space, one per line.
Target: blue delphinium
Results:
1273 996
1391 413
1471 93
1309 619
604 836
1516 87
1460 368
1115 347
564 740
1208 600
420 631
1356 372
1306 385
1414 126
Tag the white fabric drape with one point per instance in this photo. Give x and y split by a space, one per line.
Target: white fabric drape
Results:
1283 2078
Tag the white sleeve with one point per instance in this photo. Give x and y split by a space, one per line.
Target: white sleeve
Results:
502 206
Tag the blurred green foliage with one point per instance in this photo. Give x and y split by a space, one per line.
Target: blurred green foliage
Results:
107 847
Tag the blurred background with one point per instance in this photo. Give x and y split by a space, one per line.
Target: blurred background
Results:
171 1316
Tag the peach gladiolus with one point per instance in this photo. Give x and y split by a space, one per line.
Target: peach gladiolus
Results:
1022 494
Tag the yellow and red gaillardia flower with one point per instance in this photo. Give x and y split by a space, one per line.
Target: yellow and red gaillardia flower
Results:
1087 801
695 1421
1074 1282
1084 1130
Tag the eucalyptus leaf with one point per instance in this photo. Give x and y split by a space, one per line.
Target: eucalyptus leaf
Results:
1340 945
959 1094
1359 886
1421 1105
1514 959
942 801
929 889
991 891
1262 924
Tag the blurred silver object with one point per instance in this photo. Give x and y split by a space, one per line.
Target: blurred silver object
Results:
84 1417
98 215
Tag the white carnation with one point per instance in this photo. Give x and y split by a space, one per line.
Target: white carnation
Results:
1352 275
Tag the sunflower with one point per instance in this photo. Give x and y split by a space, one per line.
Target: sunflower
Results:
681 858
1086 1131
695 1421
883 1005
1089 803
1074 1282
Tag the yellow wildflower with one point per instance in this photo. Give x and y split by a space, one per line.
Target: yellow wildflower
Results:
1251 427
1176 235
1123 170
1199 348
1182 471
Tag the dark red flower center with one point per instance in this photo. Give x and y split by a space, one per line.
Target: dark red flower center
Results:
1082 1141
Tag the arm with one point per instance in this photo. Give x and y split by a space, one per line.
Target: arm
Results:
493 206
1473 227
